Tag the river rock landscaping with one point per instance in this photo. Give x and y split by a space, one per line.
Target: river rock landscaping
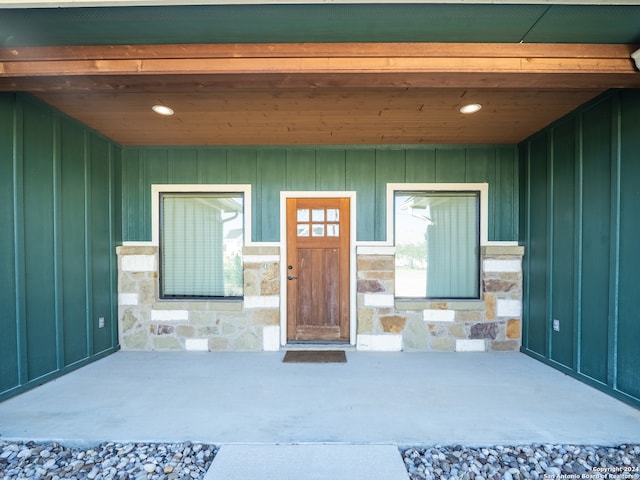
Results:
115 461
524 462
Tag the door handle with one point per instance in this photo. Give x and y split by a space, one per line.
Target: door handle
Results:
290 277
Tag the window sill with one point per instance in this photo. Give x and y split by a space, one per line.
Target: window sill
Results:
422 304
204 304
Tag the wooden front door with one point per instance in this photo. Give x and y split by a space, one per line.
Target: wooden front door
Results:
318 269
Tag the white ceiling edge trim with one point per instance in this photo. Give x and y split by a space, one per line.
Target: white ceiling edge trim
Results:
133 3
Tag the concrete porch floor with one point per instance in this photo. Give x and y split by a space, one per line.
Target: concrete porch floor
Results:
375 398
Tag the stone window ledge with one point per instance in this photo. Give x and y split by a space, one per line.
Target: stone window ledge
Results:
217 305
402 304
516 250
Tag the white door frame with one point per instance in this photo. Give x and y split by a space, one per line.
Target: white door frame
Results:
351 195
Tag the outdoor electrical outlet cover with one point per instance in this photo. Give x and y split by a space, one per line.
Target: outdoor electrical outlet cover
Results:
101 322
556 325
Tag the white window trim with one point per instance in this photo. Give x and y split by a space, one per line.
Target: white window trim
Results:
157 189
482 188
352 256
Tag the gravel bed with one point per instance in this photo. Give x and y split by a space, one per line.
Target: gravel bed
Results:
113 461
139 461
524 462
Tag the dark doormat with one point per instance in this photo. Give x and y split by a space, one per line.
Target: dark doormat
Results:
315 356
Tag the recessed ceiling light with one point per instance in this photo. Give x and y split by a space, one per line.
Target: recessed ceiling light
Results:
471 108
162 110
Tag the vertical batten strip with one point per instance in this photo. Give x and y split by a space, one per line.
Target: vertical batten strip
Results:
579 162
526 289
18 237
88 275
9 341
140 194
614 254
58 287
493 229
125 199
113 274
550 233
515 212
577 242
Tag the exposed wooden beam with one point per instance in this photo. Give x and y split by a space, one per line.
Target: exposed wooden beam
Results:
293 50
201 83
492 63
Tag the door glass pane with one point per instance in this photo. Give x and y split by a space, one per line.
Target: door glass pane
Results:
333 214
303 229
333 230
318 230
317 215
303 214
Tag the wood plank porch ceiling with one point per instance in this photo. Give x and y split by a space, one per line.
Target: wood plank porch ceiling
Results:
326 93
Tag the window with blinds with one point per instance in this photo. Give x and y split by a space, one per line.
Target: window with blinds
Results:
201 239
437 236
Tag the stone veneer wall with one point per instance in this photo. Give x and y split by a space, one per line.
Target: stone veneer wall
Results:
147 323
383 323
492 323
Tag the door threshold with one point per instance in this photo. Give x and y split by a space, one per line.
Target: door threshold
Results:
320 345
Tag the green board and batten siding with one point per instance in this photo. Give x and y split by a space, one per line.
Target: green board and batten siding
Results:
60 214
580 227
365 170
